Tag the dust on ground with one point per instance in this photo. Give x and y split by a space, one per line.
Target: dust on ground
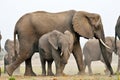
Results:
70 70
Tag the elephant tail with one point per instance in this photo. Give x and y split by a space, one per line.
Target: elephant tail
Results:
15 33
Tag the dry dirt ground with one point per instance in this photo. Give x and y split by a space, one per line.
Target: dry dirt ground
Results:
70 71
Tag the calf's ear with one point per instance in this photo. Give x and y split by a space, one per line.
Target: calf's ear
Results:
52 39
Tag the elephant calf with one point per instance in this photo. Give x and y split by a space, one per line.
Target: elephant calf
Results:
92 52
11 55
55 46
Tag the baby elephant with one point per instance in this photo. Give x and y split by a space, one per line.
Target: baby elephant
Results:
92 52
55 46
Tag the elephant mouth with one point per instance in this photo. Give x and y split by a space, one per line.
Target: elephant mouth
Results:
104 44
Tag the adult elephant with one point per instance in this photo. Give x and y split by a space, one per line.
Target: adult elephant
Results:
32 26
91 54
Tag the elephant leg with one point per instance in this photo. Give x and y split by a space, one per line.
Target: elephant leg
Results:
28 69
90 69
85 65
77 53
11 68
58 68
56 57
62 68
49 72
24 53
43 64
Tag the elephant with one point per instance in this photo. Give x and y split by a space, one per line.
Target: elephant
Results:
11 56
91 54
117 32
55 46
31 26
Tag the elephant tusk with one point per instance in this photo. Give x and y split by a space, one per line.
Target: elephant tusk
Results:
61 54
104 44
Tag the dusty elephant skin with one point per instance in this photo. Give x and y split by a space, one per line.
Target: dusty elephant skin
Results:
117 34
91 54
11 55
30 27
55 46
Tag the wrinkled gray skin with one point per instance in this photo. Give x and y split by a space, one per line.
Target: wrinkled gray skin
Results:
31 26
11 55
118 53
117 32
55 46
92 52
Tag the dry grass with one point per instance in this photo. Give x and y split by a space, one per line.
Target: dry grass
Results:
73 77
70 69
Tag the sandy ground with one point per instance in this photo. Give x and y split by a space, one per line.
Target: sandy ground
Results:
70 71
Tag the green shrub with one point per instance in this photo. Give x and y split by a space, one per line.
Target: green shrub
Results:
12 78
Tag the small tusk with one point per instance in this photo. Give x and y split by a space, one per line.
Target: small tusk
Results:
61 54
104 44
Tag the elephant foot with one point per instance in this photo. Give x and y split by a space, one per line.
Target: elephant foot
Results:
81 73
9 70
90 74
50 74
29 74
60 74
43 74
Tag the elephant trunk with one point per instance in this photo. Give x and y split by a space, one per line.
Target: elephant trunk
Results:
65 56
104 54
104 51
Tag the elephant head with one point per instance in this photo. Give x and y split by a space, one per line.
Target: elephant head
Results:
89 25
110 42
63 43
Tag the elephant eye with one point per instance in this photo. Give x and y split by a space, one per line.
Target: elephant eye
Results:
59 49
97 28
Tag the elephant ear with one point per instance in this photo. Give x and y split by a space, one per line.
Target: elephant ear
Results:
81 24
53 40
